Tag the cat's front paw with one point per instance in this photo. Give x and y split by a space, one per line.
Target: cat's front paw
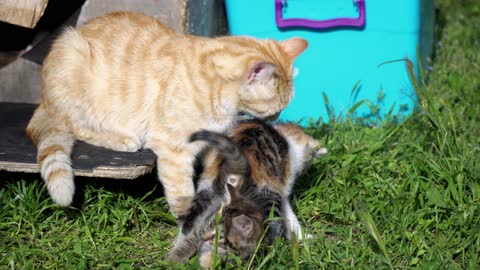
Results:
125 144
130 144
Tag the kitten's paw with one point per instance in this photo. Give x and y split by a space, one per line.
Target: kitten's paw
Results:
300 236
304 237
177 258
321 152
296 230
205 260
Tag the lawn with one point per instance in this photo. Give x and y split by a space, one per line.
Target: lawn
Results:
387 196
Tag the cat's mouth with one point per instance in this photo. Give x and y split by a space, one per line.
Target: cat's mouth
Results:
271 117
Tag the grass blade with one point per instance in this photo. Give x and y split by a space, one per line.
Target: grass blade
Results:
367 221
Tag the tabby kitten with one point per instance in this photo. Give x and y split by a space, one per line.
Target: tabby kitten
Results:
125 81
241 219
241 227
277 154
262 161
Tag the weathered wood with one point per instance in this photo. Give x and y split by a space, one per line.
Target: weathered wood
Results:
21 79
21 82
18 154
25 13
171 12
206 18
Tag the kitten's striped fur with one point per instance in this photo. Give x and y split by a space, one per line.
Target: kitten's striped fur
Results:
272 157
125 81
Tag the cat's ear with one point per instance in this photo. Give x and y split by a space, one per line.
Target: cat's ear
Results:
244 224
320 152
261 71
294 47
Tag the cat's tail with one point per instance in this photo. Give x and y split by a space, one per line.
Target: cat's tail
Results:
235 161
54 144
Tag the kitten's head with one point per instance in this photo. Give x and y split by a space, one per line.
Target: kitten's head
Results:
242 226
264 69
303 148
242 223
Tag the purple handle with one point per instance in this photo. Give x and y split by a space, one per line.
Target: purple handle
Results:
319 24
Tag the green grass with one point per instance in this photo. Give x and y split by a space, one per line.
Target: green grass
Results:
390 196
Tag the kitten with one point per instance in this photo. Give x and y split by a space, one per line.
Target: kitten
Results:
277 155
262 161
125 81
241 219
241 227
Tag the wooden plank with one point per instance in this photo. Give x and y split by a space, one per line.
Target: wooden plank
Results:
18 154
25 13
21 82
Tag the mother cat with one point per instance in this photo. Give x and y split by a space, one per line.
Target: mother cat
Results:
125 81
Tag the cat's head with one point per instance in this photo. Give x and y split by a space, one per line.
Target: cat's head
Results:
303 148
264 70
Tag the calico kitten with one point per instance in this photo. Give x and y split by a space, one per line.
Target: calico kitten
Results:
125 81
262 161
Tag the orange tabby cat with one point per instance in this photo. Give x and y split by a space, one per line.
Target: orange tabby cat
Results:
125 81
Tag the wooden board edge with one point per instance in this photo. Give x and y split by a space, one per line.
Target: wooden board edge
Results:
101 171
116 172
18 167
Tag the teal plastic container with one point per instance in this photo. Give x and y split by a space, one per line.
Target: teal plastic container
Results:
351 48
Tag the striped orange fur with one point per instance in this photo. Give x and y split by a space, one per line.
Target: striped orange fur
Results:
125 81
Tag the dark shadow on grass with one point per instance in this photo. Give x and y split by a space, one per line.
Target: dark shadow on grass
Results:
146 187
440 22
136 188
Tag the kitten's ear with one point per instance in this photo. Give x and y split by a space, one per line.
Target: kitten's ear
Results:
244 224
261 72
320 152
209 232
294 47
